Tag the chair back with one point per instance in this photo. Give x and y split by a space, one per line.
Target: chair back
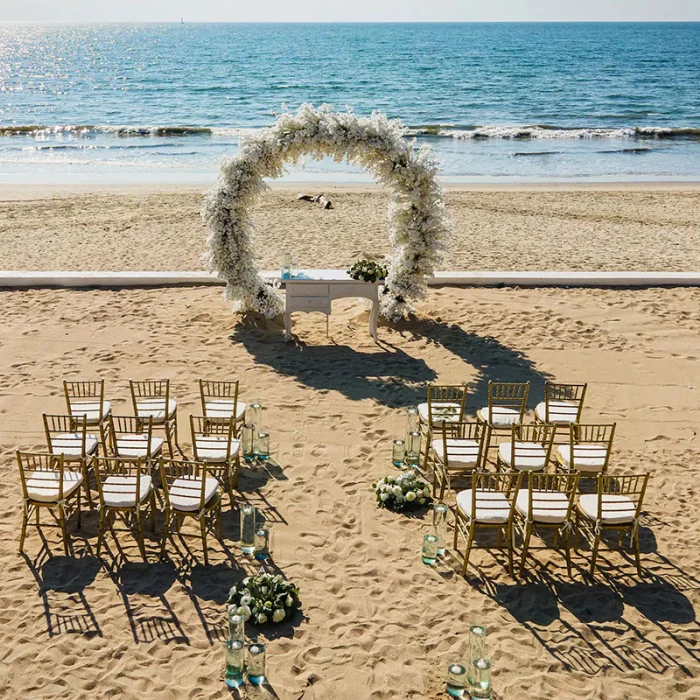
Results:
212 434
507 483
511 395
440 398
65 431
598 436
540 484
130 431
188 470
106 467
80 394
155 391
541 434
38 466
211 390
467 430
633 486
572 394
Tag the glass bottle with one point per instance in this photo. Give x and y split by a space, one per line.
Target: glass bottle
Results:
411 418
253 414
440 526
398 454
236 624
456 680
413 449
248 441
477 647
247 529
429 551
256 664
293 268
235 664
263 446
286 266
262 543
481 683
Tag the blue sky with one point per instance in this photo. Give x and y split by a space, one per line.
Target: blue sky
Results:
353 11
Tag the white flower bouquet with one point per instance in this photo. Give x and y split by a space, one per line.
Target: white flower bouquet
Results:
264 598
403 492
368 271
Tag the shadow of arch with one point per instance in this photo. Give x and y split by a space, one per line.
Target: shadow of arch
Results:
392 377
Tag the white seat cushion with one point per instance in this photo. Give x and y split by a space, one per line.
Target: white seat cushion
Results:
491 506
120 491
501 415
528 455
617 509
156 408
547 506
587 458
134 445
70 445
212 448
443 412
460 452
90 408
223 408
43 486
185 492
560 412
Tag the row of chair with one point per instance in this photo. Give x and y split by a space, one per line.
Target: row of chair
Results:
498 501
127 488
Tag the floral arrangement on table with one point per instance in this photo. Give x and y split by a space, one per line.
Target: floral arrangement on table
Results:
368 271
418 224
402 492
264 598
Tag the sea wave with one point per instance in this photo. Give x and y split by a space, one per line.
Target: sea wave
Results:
40 130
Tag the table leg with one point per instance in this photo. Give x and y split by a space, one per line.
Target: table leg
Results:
287 325
374 315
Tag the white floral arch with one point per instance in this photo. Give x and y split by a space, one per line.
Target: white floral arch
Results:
418 223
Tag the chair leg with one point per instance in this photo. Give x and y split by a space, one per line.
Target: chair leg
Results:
470 541
25 518
166 524
203 528
526 544
153 511
100 530
510 536
567 545
454 544
86 482
78 503
636 553
139 528
64 529
236 472
594 554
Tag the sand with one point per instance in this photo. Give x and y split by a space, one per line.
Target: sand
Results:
376 622
632 227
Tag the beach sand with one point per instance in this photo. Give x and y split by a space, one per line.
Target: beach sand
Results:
375 622
622 227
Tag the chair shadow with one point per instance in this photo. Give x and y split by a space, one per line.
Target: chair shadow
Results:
392 377
68 577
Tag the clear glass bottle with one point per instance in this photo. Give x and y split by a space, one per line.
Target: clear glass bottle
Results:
456 680
247 528
440 526
263 446
262 543
235 663
398 453
236 624
413 449
481 683
477 647
256 664
429 550
412 419
253 414
248 441
286 266
293 268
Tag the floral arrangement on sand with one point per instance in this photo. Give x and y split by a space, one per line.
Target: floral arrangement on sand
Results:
403 492
368 271
264 598
418 224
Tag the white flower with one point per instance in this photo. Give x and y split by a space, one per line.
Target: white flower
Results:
410 496
262 618
426 492
289 602
278 615
389 479
384 497
244 610
397 491
264 590
246 599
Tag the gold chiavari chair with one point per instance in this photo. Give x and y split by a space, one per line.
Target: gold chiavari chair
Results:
547 504
213 442
488 505
46 483
507 404
220 399
152 398
617 506
588 450
88 398
444 404
459 451
132 438
562 405
68 436
125 488
189 491
529 448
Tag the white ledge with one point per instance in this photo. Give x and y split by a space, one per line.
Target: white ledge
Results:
28 279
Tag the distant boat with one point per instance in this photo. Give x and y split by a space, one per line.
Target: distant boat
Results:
182 21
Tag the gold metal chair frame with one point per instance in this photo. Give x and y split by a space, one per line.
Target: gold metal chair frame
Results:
91 389
594 434
441 394
570 393
540 433
133 425
213 389
157 389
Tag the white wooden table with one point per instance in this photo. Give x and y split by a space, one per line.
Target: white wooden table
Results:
314 290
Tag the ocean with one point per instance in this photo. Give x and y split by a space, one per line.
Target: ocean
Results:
497 102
